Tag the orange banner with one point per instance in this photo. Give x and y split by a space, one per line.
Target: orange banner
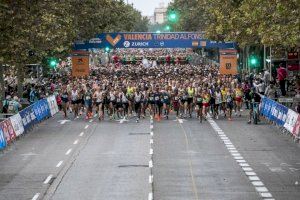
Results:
80 64
228 62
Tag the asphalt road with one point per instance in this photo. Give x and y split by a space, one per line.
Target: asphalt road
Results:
217 159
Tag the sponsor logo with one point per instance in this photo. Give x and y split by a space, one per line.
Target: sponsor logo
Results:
95 41
162 44
126 44
113 41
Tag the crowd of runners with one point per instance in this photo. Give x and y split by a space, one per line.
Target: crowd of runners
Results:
135 91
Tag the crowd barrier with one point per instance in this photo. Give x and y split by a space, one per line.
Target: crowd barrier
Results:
282 116
20 123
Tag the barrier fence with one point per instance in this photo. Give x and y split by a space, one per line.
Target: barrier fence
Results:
282 116
20 123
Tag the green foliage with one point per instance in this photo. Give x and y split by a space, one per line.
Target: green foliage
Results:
248 22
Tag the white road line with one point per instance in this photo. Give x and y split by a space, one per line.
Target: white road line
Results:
180 121
81 134
76 142
68 152
59 164
150 164
91 120
150 179
253 178
48 179
86 126
151 133
36 196
151 141
151 152
261 189
150 196
151 126
257 183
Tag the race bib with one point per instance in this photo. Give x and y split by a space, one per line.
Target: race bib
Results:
157 98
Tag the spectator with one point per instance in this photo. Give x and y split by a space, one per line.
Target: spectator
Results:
6 104
271 92
281 76
33 95
14 105
266 77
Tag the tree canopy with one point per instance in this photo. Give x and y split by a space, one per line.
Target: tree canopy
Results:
34 29
248 22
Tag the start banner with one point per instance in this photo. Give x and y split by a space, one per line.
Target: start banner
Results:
151 40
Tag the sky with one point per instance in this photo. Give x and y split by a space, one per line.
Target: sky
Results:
147 6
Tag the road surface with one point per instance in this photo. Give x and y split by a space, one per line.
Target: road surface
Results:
218 159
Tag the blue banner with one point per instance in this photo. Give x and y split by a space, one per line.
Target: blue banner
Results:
152 40
41 109
274 111
28 117
2 139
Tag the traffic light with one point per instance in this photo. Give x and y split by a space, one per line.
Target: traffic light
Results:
52 62
173 16
107 49
253 61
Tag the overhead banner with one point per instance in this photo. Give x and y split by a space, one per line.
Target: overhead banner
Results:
228 62
80 63
151 40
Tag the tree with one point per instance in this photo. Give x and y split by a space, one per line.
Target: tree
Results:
248 22
48 28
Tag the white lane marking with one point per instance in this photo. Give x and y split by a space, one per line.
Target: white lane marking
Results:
238 157
266 194
151 141
151 152
257 183
254 179
150 179
150 164
151 133
36 196
150 196
180 121
250 173
261 189
81 134
247 169
59 164
76 142
151 126
68 152
48 179
244 165
63 121
86 126
91 120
